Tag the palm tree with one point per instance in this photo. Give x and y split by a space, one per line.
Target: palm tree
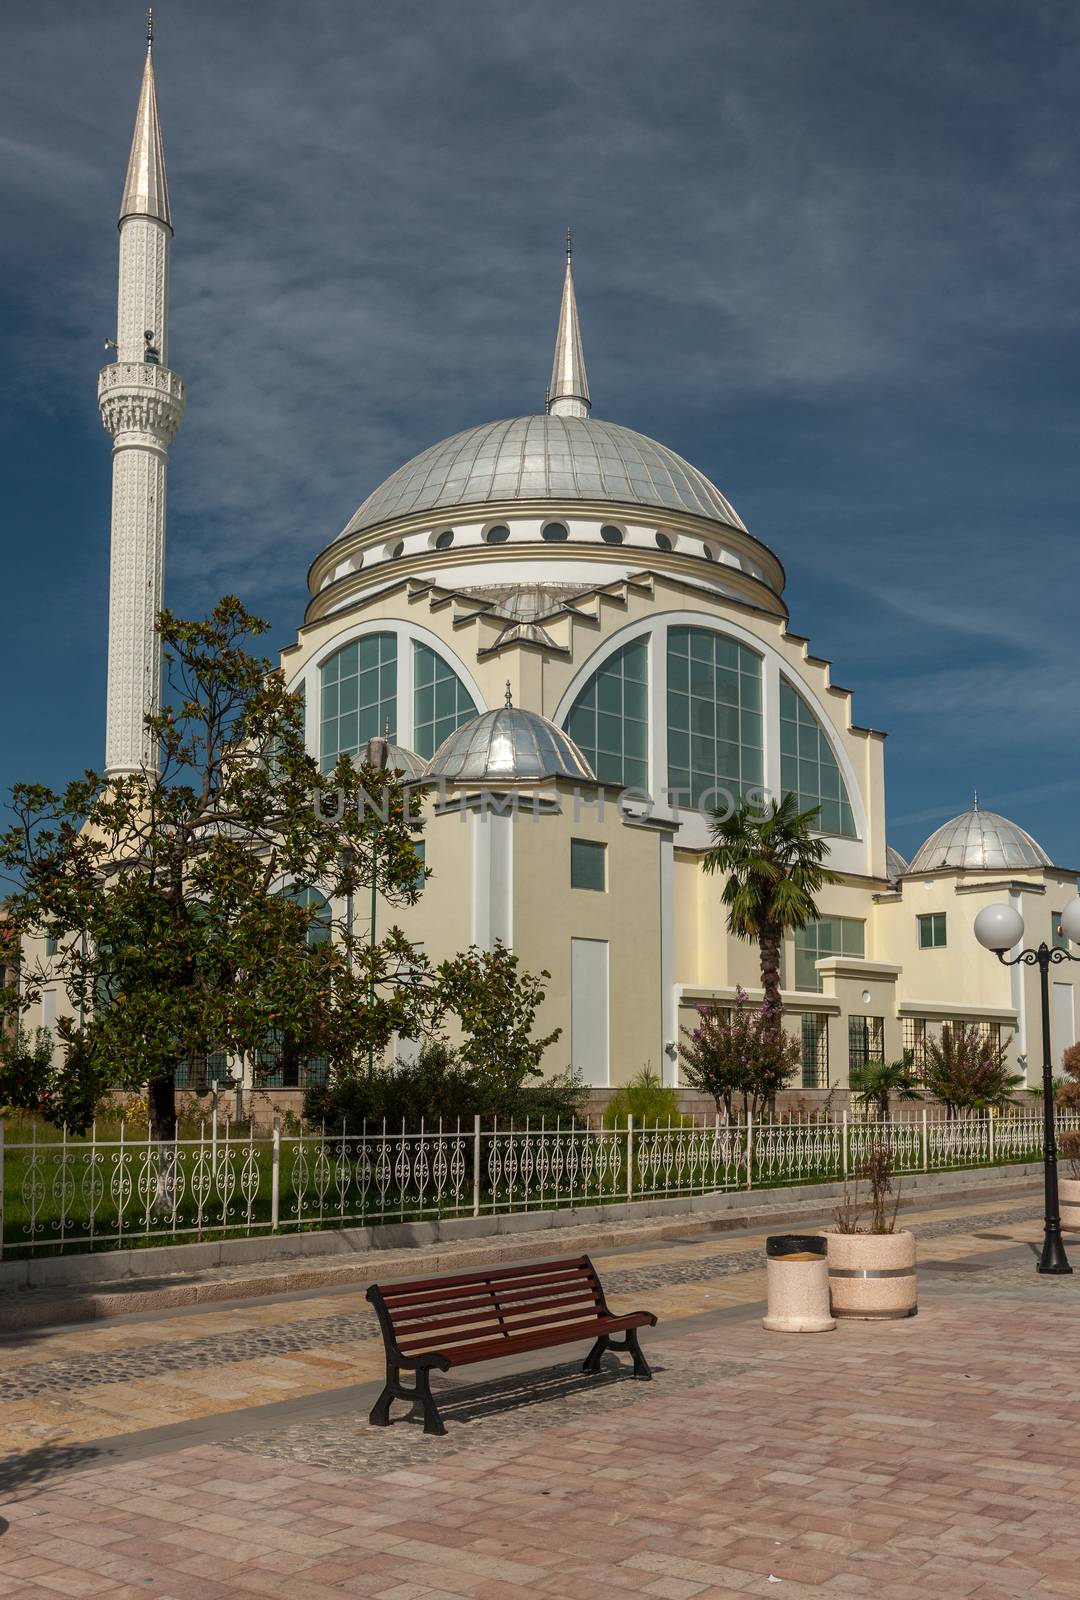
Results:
775 866
873 1083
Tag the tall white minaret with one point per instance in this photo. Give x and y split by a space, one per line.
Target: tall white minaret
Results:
569 392
142 404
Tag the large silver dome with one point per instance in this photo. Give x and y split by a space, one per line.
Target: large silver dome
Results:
979 839
544 458
508 746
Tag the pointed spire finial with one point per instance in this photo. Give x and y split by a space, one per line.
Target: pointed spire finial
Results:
509 698
146 193
568 395
975 800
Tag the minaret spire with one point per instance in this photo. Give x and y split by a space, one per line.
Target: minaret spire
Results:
569 392
146 193
142 404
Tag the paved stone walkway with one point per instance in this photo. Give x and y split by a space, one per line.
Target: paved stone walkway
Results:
225 1454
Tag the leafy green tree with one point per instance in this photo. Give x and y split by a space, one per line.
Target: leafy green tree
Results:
967 1073
738 1051
172 899
495 1002
875 1083
775 866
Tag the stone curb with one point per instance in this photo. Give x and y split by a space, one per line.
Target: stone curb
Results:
608 1228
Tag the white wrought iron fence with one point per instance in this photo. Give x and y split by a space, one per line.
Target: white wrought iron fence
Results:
93 1192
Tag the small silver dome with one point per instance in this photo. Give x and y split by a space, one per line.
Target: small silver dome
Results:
508 746
979 839
544 458
895 865
406 763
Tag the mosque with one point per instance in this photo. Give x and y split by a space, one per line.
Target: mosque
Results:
570 632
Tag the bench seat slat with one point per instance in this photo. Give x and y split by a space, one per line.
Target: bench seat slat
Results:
567 1334
503 1288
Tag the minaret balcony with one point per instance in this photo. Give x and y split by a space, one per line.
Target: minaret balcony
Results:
141 397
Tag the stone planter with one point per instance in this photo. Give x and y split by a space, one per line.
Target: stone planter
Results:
798 1279
872 1275
1069 1200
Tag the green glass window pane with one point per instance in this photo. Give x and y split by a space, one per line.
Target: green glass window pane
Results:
854 936
678 710
636 700
678 641
609 694
587 865
636 661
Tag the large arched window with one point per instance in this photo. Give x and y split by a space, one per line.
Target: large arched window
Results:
359 696
441 701
714 715
808 768
609 720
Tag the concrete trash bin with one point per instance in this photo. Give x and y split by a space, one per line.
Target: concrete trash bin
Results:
798 1272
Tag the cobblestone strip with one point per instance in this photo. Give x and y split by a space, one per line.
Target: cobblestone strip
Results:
219 1350
508 1407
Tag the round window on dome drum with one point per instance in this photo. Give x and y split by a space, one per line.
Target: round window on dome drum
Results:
445 539
611 534
555 532
708 552
498 534
663 542
396 549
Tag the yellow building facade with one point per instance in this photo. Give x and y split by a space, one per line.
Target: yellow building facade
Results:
579 647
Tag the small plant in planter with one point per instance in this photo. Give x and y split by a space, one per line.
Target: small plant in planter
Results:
871 1261
1069 1186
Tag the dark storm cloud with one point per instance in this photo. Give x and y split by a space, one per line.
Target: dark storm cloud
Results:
825 250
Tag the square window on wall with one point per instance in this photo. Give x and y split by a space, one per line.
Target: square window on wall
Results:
932 931
588 865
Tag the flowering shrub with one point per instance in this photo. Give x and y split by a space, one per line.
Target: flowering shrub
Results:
739 1050
967 1073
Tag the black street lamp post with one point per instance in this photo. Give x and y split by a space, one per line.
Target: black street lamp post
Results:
1000 929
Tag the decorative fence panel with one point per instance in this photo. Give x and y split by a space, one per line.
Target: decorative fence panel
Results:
61 1193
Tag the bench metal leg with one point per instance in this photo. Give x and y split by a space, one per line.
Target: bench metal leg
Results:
642 1368
629 1344
596 1354
379 1415
425 1403
420 1396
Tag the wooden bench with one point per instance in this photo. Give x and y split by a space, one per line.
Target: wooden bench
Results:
433 1324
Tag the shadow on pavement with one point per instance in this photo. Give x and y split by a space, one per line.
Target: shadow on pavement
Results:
470 1402
46 1461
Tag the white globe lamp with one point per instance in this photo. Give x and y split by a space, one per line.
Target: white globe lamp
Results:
1070 921
999 927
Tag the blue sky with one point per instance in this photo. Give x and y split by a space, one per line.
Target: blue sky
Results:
827 251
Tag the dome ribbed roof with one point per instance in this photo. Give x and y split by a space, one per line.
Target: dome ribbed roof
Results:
406 763
978 839
895 865
508 746
544 458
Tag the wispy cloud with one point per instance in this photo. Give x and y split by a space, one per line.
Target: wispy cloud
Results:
826 251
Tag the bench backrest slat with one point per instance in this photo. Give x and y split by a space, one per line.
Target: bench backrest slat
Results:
483 1296
437 1341
430 1313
